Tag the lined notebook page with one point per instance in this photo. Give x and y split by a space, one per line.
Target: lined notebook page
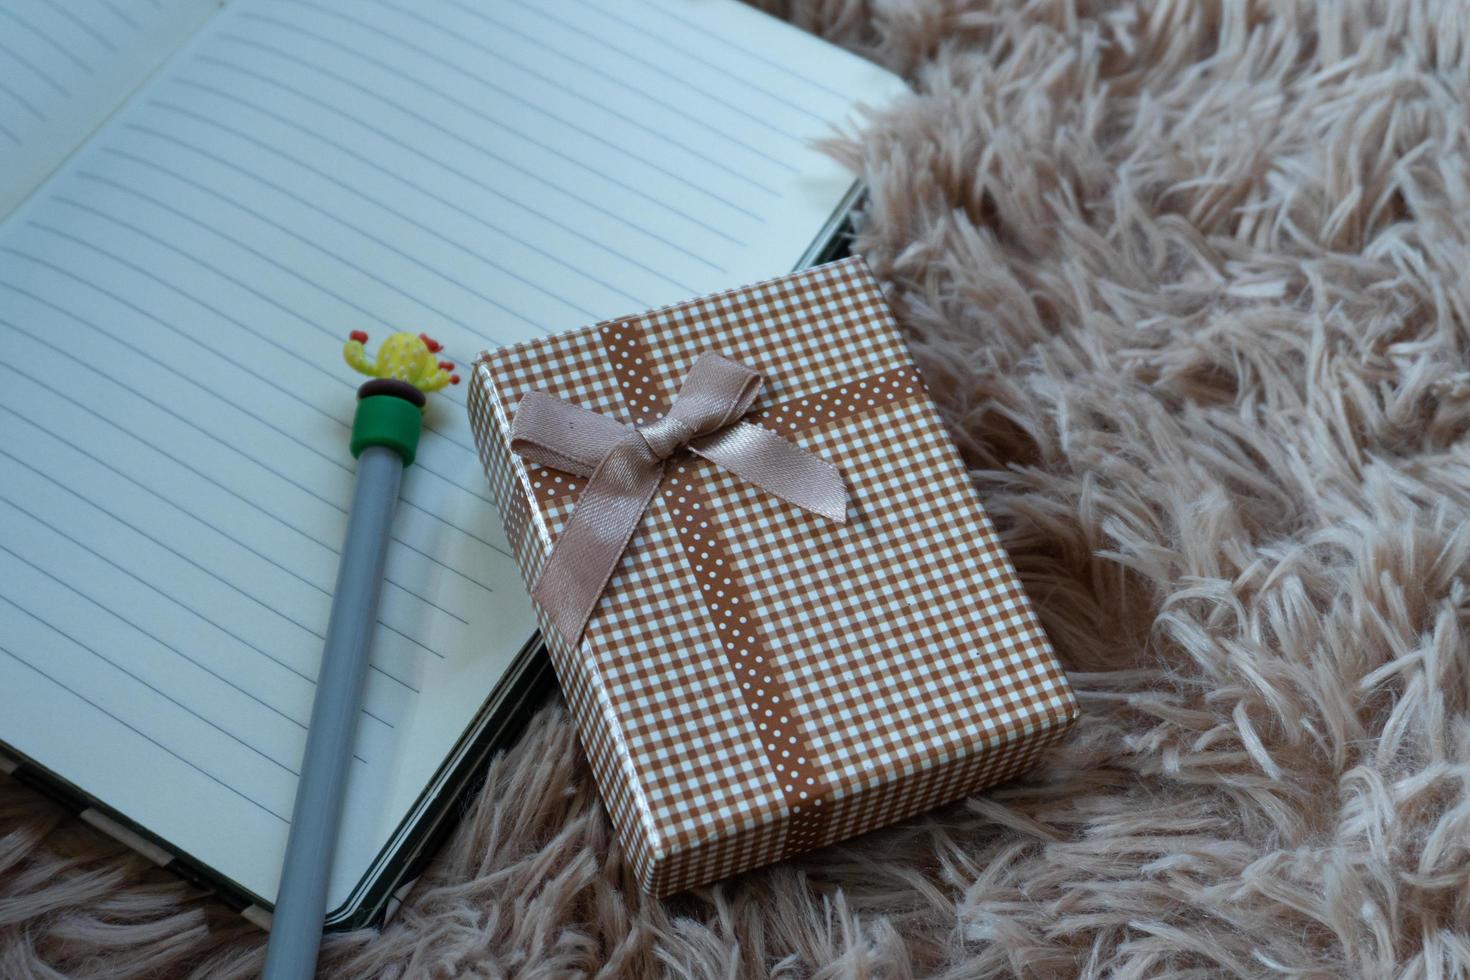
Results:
65 65
173 407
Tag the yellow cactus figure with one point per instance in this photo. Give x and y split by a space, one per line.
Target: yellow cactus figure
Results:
404 357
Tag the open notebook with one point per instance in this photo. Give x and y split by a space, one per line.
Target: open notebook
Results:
199 202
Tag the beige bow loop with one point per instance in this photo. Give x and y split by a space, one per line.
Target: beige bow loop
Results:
625 464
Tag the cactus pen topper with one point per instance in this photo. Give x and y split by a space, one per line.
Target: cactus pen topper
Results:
389 408
404 357
385 437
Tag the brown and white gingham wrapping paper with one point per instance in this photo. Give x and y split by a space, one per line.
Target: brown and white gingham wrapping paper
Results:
756 680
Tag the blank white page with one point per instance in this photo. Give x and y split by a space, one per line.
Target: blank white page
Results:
65 65
174 409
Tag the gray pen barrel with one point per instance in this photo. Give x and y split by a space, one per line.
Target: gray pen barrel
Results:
296 929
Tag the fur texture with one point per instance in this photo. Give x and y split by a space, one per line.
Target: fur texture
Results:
1188 279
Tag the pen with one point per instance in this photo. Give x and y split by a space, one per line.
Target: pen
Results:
385 434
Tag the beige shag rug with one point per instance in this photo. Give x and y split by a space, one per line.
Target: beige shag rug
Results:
1190 280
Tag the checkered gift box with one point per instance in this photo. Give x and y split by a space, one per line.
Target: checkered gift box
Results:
757 680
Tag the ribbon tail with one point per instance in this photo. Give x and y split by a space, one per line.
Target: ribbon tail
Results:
778 467
561 435
588 551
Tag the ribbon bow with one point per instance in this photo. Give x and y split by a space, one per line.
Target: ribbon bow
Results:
625 465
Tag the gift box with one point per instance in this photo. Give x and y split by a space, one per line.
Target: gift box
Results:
758 672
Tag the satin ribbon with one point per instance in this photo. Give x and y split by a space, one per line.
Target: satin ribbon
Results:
624 466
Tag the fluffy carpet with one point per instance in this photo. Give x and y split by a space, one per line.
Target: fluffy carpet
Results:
1188 279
